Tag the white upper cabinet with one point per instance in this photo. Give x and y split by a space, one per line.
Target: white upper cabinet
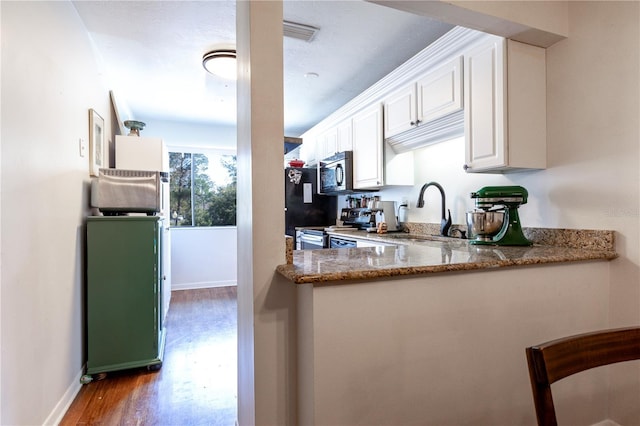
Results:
440 91
335 139
368 157
465 84
321 147
505 107
345 135
400 111
309 151
327 144
435 94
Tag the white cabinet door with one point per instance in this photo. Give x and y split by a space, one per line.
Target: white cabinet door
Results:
308 151
400 111
485 98
367 148
321 147
439 92
327 144
345 135
331 142
505 107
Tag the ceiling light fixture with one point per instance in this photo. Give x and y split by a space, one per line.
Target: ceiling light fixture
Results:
221 62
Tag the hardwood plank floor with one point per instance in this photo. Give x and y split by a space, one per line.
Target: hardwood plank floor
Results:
197 382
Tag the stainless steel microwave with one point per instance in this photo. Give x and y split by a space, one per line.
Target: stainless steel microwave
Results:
336 173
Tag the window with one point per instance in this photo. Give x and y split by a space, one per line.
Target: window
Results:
203 189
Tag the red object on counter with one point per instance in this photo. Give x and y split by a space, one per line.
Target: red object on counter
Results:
296 163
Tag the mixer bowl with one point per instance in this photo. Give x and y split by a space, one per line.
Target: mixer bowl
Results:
483 224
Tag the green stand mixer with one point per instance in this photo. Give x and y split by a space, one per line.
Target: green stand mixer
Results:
496 220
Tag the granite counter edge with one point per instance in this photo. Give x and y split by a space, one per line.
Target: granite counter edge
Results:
349 276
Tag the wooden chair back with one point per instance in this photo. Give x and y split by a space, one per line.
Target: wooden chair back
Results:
557 359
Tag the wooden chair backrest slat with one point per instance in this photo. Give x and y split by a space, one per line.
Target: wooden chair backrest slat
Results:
560 358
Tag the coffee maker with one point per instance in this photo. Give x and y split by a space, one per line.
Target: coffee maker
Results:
368 218
495 220
358 217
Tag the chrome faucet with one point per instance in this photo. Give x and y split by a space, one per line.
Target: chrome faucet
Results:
445 223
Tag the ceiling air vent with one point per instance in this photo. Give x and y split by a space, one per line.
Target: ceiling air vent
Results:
299 31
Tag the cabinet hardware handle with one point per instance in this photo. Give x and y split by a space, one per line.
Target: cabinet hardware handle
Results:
418 121
465 167
413 123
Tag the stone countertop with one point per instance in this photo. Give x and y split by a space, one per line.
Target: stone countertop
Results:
416 255
289 247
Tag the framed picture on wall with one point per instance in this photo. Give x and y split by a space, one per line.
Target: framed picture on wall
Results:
96 143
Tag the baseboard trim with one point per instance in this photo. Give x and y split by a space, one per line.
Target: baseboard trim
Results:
204 284
58 412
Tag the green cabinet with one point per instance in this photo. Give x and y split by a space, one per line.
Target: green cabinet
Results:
124 293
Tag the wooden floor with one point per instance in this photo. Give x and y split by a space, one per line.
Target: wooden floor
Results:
197 382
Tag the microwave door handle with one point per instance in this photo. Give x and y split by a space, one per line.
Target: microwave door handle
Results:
339 175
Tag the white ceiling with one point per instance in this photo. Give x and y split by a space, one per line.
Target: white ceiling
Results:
152 55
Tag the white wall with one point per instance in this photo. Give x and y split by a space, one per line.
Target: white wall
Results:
49 81
203 257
